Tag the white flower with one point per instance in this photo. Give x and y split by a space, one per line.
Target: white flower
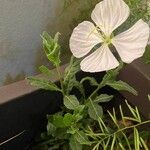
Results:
108 15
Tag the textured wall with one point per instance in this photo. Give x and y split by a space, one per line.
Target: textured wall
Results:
21 23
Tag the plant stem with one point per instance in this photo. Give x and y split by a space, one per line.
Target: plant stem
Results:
60 78
96 90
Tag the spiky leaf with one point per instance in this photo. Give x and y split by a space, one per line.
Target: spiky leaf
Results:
43 84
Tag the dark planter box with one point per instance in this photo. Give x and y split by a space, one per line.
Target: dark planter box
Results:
23 108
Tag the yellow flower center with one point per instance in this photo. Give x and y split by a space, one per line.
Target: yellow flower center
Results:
107 39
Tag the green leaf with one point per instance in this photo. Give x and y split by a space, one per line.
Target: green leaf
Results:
74 144
144 144
95 111
82 138
103 98
51 47
71 102
92 81
58 121
50 128
146 55
111 75
78 86
71 130
122 86
43 69
113 142
136 139
42 84
68 119
70 72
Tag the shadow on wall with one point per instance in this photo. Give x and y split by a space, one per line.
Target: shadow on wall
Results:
22 23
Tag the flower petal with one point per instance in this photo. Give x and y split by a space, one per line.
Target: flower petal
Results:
110 14
84 38
100 60
131 43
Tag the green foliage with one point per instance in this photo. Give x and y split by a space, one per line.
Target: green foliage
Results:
70 76
103 98
71 102
95 111
146 56
122 86
74 144
81 124
43 84
43 69
52 48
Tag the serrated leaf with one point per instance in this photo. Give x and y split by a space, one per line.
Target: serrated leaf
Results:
92 81
103 98
43 69
122 86
82 138
58 121
51 47
42 84
95 111
71 102
68 119
50 128
70 72
74 144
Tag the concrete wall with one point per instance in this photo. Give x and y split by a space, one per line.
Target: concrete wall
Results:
21 23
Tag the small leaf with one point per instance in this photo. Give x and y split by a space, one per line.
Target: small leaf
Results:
50 128
71 130
51 47
95 111
74 144
82 138
144 144
43 69
122 86
71 102
43 84
113 142
68 119
111 75
58 121
70 74
103 98
136 139
91 80
78 86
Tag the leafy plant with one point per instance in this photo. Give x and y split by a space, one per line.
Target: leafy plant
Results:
82 123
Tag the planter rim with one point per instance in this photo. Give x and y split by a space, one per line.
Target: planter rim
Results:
137 70
22 88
